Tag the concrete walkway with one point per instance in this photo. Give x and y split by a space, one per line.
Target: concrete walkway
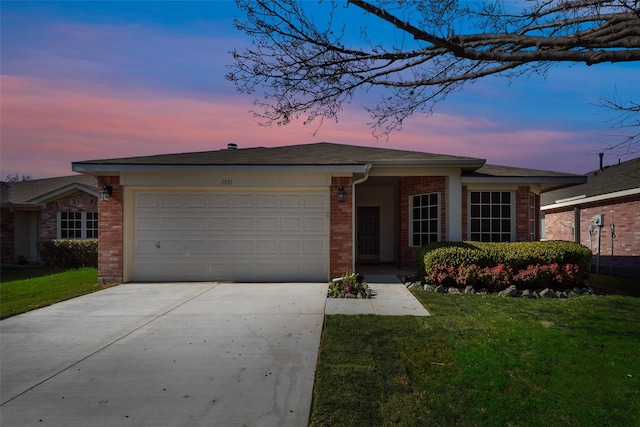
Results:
391 298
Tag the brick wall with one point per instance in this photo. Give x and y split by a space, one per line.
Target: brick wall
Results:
110 237
523 223
341 232
418 185
78 201
7 226
623 213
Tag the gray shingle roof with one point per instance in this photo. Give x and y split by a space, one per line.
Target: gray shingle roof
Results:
620 177
322 153
27 191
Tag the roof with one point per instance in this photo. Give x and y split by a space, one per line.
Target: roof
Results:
322 156
549 180
611 181
321 153
35 191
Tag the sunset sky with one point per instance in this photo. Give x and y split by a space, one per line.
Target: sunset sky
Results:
93 80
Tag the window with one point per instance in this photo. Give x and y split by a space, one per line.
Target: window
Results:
491 216
424 219
77 225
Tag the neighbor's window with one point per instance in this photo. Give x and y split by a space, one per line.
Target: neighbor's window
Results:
77 225
491 216
424 219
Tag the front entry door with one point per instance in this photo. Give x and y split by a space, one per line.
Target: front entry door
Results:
368 234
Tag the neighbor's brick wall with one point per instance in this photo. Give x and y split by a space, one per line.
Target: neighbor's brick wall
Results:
413 185
110 238
341 231
7 226
78 201
624 214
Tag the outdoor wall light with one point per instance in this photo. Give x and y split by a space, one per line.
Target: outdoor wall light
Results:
341 194
105 192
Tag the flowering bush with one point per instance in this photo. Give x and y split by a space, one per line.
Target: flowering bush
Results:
350 285
502 276
542 275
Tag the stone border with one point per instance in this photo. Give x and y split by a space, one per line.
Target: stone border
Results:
511 291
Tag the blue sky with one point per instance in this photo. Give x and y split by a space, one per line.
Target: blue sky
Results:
87 80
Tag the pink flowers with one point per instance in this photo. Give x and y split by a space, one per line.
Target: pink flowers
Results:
501 276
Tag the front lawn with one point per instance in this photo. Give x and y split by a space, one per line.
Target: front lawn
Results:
24 289
483 360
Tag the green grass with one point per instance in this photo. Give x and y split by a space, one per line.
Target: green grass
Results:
483 360
24 289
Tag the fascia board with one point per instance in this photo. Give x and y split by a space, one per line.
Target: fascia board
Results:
114 168
524 179
598 198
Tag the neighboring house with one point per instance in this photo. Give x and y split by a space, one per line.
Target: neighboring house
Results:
301 213
588 213
43 209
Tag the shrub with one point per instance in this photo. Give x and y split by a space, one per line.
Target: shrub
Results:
518 256
69 253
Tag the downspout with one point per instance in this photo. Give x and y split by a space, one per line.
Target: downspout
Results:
367 168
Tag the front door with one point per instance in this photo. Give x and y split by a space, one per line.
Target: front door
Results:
368 234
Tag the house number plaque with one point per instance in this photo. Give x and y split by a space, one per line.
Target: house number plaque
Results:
226 181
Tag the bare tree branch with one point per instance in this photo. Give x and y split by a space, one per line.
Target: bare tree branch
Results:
309 65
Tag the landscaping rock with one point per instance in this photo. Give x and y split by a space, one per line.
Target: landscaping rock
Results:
429 288
511 291
469 290
441 289
454 291
548 293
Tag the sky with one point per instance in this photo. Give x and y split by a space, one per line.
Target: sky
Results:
98 80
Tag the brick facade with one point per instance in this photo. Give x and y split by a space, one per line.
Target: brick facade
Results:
6 236
341 228
624 213
78 201
110 244
414 185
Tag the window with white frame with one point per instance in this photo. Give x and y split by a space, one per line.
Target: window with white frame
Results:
77 225
425 219
491 217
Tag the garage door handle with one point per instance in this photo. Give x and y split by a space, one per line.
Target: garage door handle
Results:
158 245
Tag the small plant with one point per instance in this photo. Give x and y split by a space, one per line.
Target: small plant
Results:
350 285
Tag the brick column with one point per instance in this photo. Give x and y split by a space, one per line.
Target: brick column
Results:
523 232
110 238
340 228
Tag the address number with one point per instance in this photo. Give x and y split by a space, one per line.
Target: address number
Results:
227 181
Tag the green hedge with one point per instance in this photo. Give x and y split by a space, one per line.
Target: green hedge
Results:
518 255
69 253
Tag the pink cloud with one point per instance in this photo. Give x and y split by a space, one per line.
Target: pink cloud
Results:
47 125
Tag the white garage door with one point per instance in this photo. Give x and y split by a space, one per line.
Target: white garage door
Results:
204 236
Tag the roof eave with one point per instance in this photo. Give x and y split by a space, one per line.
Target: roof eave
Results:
101 168
584 200
569 180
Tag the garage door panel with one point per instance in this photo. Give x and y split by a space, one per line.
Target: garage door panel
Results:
220 246
243 224
267 247
171 201
220 223
291 224
198 235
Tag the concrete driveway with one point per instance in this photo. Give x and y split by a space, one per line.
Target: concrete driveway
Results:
165 355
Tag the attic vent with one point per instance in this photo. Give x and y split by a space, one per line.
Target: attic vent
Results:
232 146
